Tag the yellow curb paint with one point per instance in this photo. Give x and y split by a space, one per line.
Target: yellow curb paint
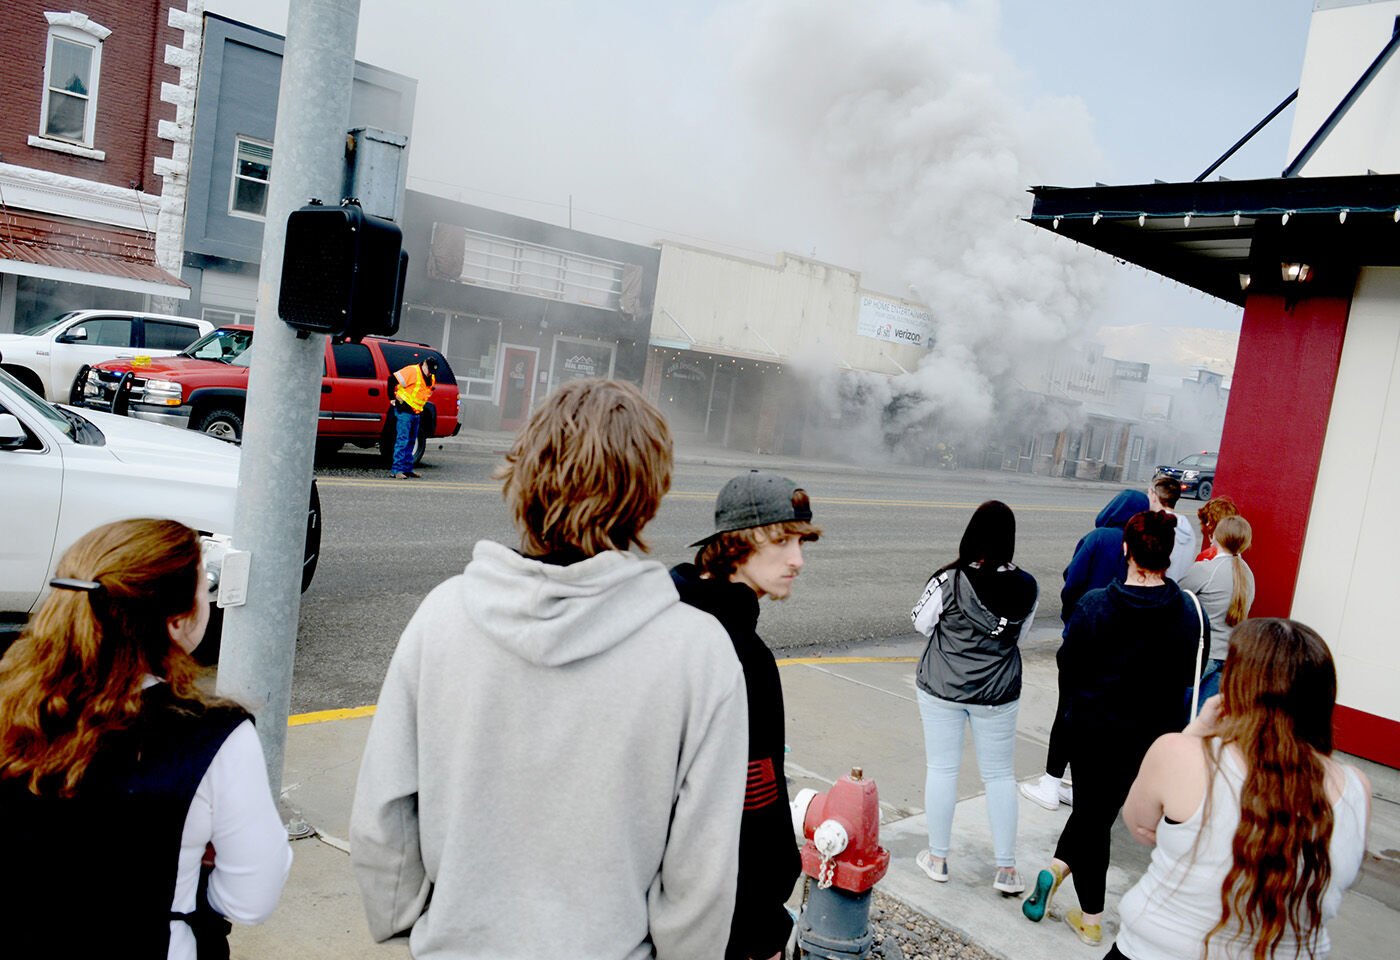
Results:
325 716
350 713
789 661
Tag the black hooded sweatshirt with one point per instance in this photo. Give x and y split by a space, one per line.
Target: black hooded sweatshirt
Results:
1128 655
769 864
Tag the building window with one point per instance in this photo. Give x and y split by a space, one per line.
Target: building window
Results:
72 67
461 255
470 344
252 165
576 358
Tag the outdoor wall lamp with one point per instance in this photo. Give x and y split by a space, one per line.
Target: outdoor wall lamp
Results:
1296 272
1244 281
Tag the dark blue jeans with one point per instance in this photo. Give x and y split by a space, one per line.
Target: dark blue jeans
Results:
1210 686
405 439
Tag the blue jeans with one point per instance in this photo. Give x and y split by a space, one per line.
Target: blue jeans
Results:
1210 682
994 739
405 439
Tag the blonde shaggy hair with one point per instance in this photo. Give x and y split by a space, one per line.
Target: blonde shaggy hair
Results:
589 470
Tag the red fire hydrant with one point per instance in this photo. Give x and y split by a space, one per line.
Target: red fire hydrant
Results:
843 855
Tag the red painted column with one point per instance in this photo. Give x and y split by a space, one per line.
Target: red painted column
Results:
1275 425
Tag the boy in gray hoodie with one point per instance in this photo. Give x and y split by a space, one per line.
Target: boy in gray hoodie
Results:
557 763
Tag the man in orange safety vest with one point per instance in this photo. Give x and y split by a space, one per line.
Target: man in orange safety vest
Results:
413 386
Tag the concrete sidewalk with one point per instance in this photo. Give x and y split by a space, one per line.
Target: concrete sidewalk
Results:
842 712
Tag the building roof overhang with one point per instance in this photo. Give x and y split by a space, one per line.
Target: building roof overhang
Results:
1230 238
70 251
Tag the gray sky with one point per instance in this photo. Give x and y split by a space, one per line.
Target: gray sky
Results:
702 121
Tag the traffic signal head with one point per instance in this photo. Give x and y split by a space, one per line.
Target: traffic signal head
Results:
342 272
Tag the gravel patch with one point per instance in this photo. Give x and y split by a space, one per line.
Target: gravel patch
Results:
903 933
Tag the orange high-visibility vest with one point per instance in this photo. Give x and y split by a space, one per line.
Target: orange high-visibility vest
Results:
413 389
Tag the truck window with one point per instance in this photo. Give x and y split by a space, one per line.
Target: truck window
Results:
353 361
399 355
106 331
169 335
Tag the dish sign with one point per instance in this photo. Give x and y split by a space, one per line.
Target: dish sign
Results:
894 322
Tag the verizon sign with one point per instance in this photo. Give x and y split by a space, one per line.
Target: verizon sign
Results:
894 322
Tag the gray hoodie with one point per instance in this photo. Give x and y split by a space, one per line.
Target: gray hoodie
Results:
556 768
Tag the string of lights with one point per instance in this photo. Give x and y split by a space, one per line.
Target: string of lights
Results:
1186 216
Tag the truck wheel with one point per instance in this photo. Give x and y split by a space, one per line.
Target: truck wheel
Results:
75 392
386 443
386 439
222 422
1203 491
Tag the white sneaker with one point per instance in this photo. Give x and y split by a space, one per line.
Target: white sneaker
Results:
1066 792
935 871
1044 792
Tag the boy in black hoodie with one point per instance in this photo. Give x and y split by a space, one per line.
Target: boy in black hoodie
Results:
761 522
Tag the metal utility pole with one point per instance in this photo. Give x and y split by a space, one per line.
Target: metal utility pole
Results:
279 428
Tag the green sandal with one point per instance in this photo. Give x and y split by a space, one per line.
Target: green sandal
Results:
1038 903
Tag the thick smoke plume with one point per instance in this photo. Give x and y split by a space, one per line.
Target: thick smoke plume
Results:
912 136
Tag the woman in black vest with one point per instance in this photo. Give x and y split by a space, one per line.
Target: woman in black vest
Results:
974 611
135 813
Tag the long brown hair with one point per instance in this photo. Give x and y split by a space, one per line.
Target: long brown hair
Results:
1278 690
1234 535
75 675
589 470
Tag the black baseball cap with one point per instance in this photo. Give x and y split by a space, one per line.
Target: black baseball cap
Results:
755 499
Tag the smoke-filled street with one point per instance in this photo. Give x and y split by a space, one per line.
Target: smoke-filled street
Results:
387 543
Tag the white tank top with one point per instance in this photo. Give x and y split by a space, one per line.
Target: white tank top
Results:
1167 914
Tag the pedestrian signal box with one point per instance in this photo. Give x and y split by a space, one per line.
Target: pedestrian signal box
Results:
343 272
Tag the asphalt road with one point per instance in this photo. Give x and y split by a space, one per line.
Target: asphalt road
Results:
387 543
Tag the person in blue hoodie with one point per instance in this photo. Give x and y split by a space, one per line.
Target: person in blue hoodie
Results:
1097 561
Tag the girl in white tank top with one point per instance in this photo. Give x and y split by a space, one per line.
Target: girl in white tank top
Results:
1264 745
1168 913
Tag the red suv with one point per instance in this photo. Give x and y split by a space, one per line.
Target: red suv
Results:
205 387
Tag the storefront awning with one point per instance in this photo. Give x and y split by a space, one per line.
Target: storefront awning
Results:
1233 238
72 251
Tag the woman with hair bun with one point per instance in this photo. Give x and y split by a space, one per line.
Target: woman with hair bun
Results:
135 813
1225 586
1258 831
1129 650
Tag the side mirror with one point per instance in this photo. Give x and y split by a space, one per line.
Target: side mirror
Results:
11 432
76 335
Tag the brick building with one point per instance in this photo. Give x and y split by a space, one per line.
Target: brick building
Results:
94 131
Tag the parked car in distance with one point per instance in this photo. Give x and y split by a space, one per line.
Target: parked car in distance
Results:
1195 473
47 359
205 388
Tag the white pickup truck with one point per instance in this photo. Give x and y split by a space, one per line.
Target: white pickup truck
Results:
48 359
63 473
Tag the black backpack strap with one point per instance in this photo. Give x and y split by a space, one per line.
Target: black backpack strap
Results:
209 927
